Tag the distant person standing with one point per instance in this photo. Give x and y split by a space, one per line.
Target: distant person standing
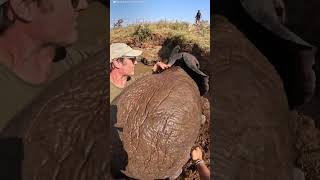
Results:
198 17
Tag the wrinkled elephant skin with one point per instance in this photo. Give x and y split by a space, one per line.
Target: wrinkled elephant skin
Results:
158 119
286 51
251 134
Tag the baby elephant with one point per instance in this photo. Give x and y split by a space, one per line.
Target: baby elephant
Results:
157 120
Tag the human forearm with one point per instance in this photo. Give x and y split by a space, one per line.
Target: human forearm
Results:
203 171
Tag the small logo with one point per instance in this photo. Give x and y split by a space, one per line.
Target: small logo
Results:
128 1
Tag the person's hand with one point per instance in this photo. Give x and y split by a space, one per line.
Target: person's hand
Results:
196 154
160 66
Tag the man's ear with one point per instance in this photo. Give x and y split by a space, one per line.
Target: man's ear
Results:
23 9
117 64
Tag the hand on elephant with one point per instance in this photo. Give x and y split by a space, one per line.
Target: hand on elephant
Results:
196 154
159 67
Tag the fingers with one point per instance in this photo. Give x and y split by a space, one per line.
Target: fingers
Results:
160 66
154 68
196 154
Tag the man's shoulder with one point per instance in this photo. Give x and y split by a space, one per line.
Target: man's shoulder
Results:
115 91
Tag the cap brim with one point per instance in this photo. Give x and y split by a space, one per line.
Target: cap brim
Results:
133 53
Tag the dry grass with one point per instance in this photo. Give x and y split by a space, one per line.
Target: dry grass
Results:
181 32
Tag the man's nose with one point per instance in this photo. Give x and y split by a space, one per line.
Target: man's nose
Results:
83 4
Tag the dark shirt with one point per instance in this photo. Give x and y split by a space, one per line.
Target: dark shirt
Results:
198 16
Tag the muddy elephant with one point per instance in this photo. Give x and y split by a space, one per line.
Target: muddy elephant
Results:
300 25
251 131
65 130
265 24
303 19
307 143
156 121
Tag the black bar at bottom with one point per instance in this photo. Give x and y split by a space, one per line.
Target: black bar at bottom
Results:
11 156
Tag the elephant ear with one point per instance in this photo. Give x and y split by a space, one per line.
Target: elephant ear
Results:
175 50
173 58
174 55
265 13
191 66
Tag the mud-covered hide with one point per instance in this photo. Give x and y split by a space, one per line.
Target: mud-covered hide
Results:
293 61
250 132
158 118
307 144
65 129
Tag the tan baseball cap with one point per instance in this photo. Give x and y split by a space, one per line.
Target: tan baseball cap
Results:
118 50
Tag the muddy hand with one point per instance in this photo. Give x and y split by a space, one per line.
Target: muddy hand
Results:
159 67
196 154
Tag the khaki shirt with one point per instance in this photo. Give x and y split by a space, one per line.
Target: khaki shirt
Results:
114 91
15 93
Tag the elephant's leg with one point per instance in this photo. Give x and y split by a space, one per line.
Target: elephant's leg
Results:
305 73
311 108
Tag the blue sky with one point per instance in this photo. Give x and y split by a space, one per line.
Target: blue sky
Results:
132 11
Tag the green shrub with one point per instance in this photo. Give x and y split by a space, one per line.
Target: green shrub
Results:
142 33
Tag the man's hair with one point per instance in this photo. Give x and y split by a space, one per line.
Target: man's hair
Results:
112 65
5 22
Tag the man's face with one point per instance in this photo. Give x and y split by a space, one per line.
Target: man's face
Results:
54 21
127 66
